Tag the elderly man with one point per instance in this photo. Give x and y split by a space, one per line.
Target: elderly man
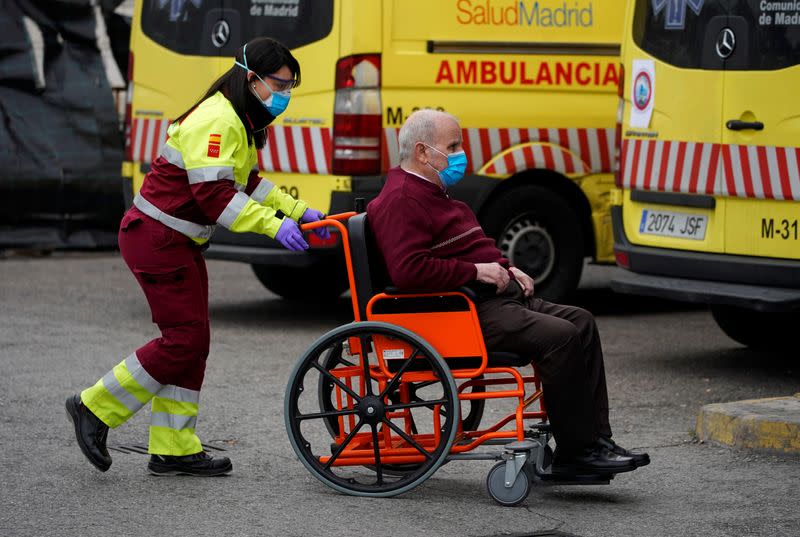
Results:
431 242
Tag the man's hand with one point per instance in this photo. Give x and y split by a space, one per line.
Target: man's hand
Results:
525 281
493 273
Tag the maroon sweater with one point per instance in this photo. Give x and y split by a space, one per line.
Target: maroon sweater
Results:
429 241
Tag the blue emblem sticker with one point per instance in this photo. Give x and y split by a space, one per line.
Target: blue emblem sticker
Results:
642 90
675 18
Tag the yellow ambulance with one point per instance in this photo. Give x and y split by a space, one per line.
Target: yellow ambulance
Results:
710 186
534 83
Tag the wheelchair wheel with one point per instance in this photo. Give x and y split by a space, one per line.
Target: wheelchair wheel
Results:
496 485
326 388
372 433
471 410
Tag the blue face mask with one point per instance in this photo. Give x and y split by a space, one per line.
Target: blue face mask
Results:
277 101
456 166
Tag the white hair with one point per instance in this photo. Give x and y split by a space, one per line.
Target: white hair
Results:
419 127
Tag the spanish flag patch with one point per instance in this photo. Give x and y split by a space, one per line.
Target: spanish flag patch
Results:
214 142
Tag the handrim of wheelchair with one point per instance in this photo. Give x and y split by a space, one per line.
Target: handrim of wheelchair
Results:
376 406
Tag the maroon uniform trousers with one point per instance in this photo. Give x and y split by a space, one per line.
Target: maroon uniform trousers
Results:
564 344
172 273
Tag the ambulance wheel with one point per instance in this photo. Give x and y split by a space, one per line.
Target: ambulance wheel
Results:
758 329
496 485
539 231
319 283
356 461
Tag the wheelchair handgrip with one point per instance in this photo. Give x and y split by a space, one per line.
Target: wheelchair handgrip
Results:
321 223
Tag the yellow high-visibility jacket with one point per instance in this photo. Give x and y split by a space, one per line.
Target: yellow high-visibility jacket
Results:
207 174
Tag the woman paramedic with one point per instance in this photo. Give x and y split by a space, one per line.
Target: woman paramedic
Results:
207 174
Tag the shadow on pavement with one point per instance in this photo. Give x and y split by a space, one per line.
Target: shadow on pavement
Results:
284 312
583 495
604 301
599 301
740 361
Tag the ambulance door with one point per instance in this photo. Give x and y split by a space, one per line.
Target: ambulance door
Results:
672 126
761 113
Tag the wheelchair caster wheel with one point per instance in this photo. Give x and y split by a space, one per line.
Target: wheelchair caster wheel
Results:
508 496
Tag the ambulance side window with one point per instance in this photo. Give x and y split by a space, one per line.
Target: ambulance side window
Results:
771 34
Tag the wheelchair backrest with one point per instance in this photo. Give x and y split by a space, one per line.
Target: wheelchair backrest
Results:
369 268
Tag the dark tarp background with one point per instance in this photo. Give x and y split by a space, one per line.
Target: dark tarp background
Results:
60 143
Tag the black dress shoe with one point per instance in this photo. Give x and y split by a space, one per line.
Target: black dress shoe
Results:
90 432
199 464
592 460
639 459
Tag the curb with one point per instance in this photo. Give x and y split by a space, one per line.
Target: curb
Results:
771 425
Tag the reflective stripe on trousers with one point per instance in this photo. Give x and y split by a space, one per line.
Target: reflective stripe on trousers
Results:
173 421
121 393
125 389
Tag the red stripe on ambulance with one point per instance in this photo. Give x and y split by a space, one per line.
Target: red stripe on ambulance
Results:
745 171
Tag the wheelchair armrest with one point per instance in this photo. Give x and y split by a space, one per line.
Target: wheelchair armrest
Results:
469 292
391 290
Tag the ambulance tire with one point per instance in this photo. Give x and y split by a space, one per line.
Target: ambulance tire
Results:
540 232
773 331
324 282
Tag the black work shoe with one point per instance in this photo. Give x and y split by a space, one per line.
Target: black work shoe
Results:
592 460
199 464
639 459
90 432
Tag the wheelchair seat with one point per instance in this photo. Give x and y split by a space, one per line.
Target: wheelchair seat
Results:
372 277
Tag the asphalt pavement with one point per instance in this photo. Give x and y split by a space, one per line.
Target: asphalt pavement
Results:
68 318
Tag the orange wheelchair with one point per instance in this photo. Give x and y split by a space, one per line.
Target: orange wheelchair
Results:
376 406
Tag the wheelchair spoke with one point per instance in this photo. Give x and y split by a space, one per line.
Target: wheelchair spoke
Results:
331 414
365 362
336 381
425 384
337 358
398 375
378 467
407 438
417 404
343 445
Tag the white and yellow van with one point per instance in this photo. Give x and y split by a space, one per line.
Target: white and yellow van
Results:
710 202
534 83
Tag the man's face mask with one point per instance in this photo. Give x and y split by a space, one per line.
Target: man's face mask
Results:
456 166
277 101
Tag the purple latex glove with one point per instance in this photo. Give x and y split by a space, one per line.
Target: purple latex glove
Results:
290 236
312 215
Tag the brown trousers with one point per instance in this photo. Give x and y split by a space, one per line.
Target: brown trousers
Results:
564 344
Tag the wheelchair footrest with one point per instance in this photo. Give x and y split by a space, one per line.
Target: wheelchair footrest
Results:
577 479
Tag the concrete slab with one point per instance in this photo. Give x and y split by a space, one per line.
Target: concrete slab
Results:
771 425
